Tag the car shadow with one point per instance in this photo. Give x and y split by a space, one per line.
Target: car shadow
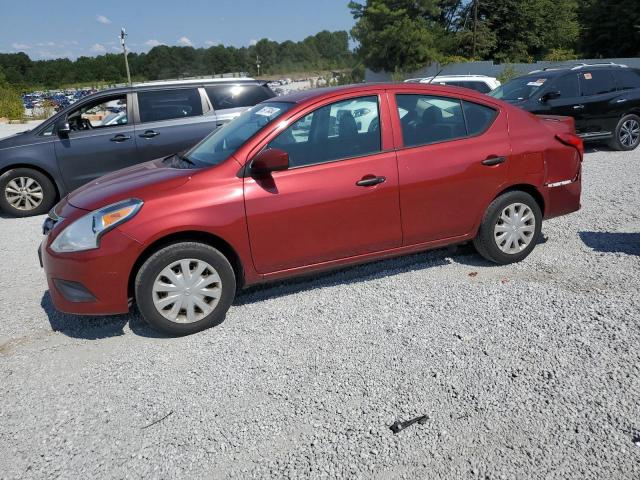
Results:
95 327
612 242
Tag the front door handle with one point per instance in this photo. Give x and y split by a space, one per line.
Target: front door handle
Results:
149 134
120 138
493 160
370 181
578 107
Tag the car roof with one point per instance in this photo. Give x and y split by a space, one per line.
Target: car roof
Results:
162 84
303 96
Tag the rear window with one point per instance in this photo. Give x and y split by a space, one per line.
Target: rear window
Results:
596 82
235 96
477 86
627 79
160 105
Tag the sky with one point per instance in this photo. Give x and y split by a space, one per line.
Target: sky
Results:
64 28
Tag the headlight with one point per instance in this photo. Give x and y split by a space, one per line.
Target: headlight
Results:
85 233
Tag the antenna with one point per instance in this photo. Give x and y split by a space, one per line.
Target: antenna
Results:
123 36
434 77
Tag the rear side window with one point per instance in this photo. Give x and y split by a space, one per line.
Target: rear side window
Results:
235 96
479 117
567 86
596 82
427 119
168 104
627 79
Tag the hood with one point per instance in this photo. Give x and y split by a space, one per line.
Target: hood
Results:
20 138
139 181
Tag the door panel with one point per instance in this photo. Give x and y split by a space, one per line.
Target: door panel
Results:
88 154
445 187
317 213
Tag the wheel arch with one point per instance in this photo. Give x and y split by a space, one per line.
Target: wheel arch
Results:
43 171
527 188
188 236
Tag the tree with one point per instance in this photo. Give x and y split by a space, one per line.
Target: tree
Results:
610 28
396 35
10 102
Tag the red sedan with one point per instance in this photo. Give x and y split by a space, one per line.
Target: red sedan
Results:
309 182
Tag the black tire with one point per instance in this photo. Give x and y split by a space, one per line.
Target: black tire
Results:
486 243
618 140
163 258
25 207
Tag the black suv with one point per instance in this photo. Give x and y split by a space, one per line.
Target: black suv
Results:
115 129
604 99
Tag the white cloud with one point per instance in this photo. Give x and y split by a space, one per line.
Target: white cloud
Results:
45 44
48 54
98 48
20 46
211 43
253 41
102 19
185 42
153 43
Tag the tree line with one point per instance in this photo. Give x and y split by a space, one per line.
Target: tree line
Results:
405 35
323 51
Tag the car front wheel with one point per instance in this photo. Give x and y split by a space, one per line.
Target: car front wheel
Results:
185 288
627 134
25 192
510 228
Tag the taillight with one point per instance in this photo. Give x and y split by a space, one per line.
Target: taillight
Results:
572 141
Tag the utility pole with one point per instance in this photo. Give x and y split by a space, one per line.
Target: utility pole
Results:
258 64
475 25
123 35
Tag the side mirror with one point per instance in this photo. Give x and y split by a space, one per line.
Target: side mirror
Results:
63 129
267 161
550 95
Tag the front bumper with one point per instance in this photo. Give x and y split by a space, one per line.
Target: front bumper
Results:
93 282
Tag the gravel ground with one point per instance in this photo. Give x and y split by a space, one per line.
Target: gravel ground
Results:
525 371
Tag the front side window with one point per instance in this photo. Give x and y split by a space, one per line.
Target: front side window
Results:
158 105
596 82
235 96
224 141
345 129
567 86
100 113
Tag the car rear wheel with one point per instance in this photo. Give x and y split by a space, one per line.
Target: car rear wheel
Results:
627 134
25 192
185 288
510 228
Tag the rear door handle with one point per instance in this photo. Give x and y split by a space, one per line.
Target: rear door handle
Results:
490 161
370 181
578 107
120 138
149 134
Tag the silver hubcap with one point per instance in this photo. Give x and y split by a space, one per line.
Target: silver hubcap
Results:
630 133
187 291
23 193
515 228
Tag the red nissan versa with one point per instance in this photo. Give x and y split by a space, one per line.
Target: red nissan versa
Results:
309 182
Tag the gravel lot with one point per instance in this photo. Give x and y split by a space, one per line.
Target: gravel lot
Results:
525 371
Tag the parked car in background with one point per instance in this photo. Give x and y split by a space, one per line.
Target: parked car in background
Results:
604 100
295 186
114 129
479 83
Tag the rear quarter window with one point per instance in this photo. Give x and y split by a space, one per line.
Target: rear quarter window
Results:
235 96
627 79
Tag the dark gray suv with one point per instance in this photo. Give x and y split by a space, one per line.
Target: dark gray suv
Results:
115 129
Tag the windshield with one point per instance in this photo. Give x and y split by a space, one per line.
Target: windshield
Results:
519 88
224 141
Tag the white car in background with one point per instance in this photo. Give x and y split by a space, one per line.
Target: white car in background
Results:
479 83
